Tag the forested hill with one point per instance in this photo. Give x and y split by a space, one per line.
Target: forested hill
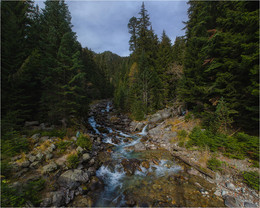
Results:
213 71
46 74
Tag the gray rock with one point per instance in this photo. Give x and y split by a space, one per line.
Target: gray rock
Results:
155 132
139 147
35 164
168 136
58 199
91 162
25 164
71 179
31 123
166 113
50 167
230 201
230 186
248 204
155 118
85 157
42 125
46 202
80 150
15 167
39 156
136 126
32 158
48 156
20 173
35 136
74 138
91 171
53 146
16 158
223 192
44 138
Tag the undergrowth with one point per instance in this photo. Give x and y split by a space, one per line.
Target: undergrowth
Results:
84 142
251 179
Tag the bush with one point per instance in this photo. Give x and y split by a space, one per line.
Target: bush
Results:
73 160
238 146
12 143
182 134
214 164
63 145
12 197
84 142
251 179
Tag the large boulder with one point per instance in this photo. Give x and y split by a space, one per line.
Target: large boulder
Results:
168 136
155 118
155 132
166 113
50 167
136 126
139 147
72 178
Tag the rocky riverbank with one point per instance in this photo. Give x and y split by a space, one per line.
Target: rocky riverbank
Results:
144 161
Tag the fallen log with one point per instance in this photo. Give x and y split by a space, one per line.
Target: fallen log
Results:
198 168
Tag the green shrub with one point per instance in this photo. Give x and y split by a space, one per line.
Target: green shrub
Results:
73 160
12 197
214 164
251 179
84 142
12 143
182 134
54 133
239 146
187 117
63 145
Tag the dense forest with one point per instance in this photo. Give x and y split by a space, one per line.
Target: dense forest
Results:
209 76
46 74
215 63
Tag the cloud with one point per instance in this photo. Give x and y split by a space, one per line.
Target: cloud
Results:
102 25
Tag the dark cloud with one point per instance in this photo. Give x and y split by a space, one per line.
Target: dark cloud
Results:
102 25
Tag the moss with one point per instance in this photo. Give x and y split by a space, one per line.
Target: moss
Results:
84 142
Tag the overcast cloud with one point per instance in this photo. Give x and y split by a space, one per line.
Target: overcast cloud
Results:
102 25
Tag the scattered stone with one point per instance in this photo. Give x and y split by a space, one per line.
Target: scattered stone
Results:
39 156
35 136
80 150
35 164
91 162
32 158
85 157
50 167
48 156
91 171
217 193
58 199
248 204
230 186
72 178
230 201
25 164
20 173
44 138
16 158
46 202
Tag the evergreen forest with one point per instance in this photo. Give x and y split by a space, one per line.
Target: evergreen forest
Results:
210 74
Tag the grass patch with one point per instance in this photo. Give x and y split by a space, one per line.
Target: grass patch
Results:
12 144
214 164
12 197
63 145
251 179
84 142
73 160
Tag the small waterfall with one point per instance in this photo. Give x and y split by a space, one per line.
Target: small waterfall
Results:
144 132
93 123
108 107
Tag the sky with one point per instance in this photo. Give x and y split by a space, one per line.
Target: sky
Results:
102 25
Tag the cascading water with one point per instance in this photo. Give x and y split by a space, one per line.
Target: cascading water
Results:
115 174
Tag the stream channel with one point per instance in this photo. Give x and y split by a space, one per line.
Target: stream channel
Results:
144 178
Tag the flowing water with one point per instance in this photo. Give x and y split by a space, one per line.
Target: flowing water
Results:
148 178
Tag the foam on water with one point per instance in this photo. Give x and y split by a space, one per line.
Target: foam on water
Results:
93 123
